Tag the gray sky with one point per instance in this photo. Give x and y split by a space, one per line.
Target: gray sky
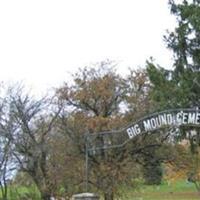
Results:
42 40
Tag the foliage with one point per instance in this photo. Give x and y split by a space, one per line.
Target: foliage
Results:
137 95
95 99
180 87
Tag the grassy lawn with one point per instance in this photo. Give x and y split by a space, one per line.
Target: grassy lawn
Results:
180 190
20 192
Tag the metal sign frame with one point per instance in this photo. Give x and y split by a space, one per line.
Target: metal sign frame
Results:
119 138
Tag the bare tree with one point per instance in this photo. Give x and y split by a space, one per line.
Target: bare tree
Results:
6 166
7 163
27 124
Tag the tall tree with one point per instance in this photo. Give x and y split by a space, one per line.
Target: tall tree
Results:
28 128
7 163
180 86
99 100
95 98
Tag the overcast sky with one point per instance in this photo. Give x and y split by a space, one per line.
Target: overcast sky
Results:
42 40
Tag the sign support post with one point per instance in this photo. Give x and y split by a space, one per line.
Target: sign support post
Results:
86 163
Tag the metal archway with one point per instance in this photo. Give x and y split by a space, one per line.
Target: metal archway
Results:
119 138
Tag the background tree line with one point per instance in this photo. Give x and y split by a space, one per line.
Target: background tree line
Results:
45 139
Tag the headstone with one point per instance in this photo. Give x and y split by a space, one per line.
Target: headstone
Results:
86 196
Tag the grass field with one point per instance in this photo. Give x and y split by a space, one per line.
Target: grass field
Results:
180 190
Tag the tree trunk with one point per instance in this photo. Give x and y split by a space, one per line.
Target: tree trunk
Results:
4 193
45 196
42 186
44 190
108 195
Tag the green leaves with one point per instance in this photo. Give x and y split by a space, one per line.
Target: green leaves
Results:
180 86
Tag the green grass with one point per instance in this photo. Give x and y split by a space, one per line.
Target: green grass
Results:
180 190
20 192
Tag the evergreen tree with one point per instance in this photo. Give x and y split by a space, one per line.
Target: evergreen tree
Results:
180 87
